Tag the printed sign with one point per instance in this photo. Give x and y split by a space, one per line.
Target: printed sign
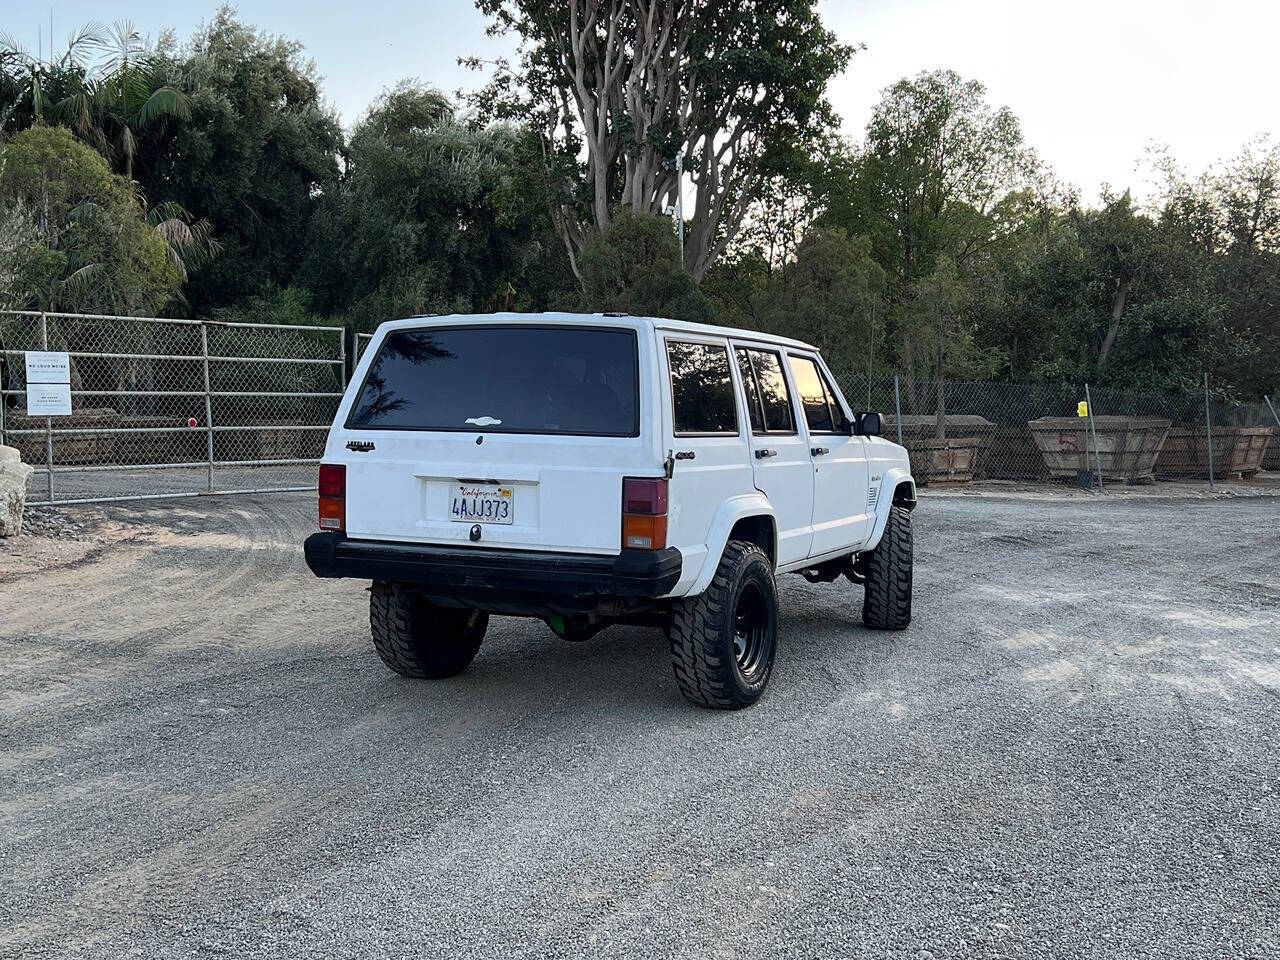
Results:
49 399
48 367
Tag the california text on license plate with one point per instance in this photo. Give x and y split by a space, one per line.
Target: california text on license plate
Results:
470 503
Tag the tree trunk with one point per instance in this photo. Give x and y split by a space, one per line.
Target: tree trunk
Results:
1123 288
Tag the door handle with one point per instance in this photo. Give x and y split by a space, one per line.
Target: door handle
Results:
763 454
818 451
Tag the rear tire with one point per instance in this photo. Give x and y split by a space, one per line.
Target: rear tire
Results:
723 641
416 638
886 603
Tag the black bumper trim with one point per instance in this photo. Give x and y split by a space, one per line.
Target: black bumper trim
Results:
632 573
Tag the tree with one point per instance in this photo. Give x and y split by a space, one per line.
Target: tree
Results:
434 215
1230 215
254 156
941 174
633 267
93 250
106 87
735 90
828 294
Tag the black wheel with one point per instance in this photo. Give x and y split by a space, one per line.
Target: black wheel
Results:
416 638
723 640
886 603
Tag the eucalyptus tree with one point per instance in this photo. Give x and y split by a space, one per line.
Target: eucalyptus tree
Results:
627 93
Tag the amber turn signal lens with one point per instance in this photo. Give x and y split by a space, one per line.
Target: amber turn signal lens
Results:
644 532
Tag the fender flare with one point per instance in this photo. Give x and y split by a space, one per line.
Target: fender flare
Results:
889 483
729 513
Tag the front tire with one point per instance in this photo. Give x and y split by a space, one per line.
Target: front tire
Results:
886 603
416 638
723 641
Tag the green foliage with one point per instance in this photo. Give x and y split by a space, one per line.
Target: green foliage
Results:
91 248
257 150
829 294
633 267
107 88
435 215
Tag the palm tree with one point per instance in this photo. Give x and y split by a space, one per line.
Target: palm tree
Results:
129 95
56 90
190 242
107 87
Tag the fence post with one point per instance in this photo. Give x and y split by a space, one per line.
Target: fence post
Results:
208 406
1208 429
1097 457
1275 416
342 355
897 408
48 421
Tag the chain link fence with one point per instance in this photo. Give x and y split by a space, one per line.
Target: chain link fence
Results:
360 341
164 407
959 432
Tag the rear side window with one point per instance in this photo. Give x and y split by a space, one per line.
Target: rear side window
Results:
503 379
821 411
701 388
768 398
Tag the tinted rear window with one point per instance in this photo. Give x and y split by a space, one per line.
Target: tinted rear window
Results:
512 379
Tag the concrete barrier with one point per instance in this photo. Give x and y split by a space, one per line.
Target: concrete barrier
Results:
13 491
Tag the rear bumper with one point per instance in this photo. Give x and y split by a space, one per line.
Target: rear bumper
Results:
500 580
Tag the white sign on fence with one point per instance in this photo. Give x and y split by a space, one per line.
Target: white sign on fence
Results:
48 399
48 384
45 366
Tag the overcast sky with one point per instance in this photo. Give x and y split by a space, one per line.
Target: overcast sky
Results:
1094 82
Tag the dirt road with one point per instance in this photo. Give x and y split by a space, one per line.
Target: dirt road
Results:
1072 751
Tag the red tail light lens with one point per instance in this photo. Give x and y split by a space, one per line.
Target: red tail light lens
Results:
333 496
644 513
644 495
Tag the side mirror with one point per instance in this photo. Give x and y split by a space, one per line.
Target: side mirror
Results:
869 425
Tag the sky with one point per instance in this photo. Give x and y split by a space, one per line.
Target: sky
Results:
1095 83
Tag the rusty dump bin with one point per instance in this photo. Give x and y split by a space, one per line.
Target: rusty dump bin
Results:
1128 447
1237 451
1014 455
1271 456
957 459
79 449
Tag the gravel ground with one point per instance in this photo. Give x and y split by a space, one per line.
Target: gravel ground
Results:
1072 751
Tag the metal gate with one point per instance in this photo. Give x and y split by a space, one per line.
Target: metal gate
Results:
172 408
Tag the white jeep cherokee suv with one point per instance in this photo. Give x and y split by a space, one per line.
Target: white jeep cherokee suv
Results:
598 469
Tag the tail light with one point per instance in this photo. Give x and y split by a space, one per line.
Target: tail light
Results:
644 513
333 496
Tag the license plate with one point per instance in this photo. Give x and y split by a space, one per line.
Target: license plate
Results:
482 504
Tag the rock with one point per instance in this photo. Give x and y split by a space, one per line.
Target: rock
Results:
13 491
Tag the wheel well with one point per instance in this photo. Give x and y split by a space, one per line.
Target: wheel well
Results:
758 530
904 495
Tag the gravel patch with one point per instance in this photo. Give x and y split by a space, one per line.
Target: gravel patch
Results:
1072 751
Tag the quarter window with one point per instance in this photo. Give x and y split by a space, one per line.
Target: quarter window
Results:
768 398
701 388
821 410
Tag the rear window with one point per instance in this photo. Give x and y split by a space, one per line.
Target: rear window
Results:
503 379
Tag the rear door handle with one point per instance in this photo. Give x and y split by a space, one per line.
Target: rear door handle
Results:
763 454
818 451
